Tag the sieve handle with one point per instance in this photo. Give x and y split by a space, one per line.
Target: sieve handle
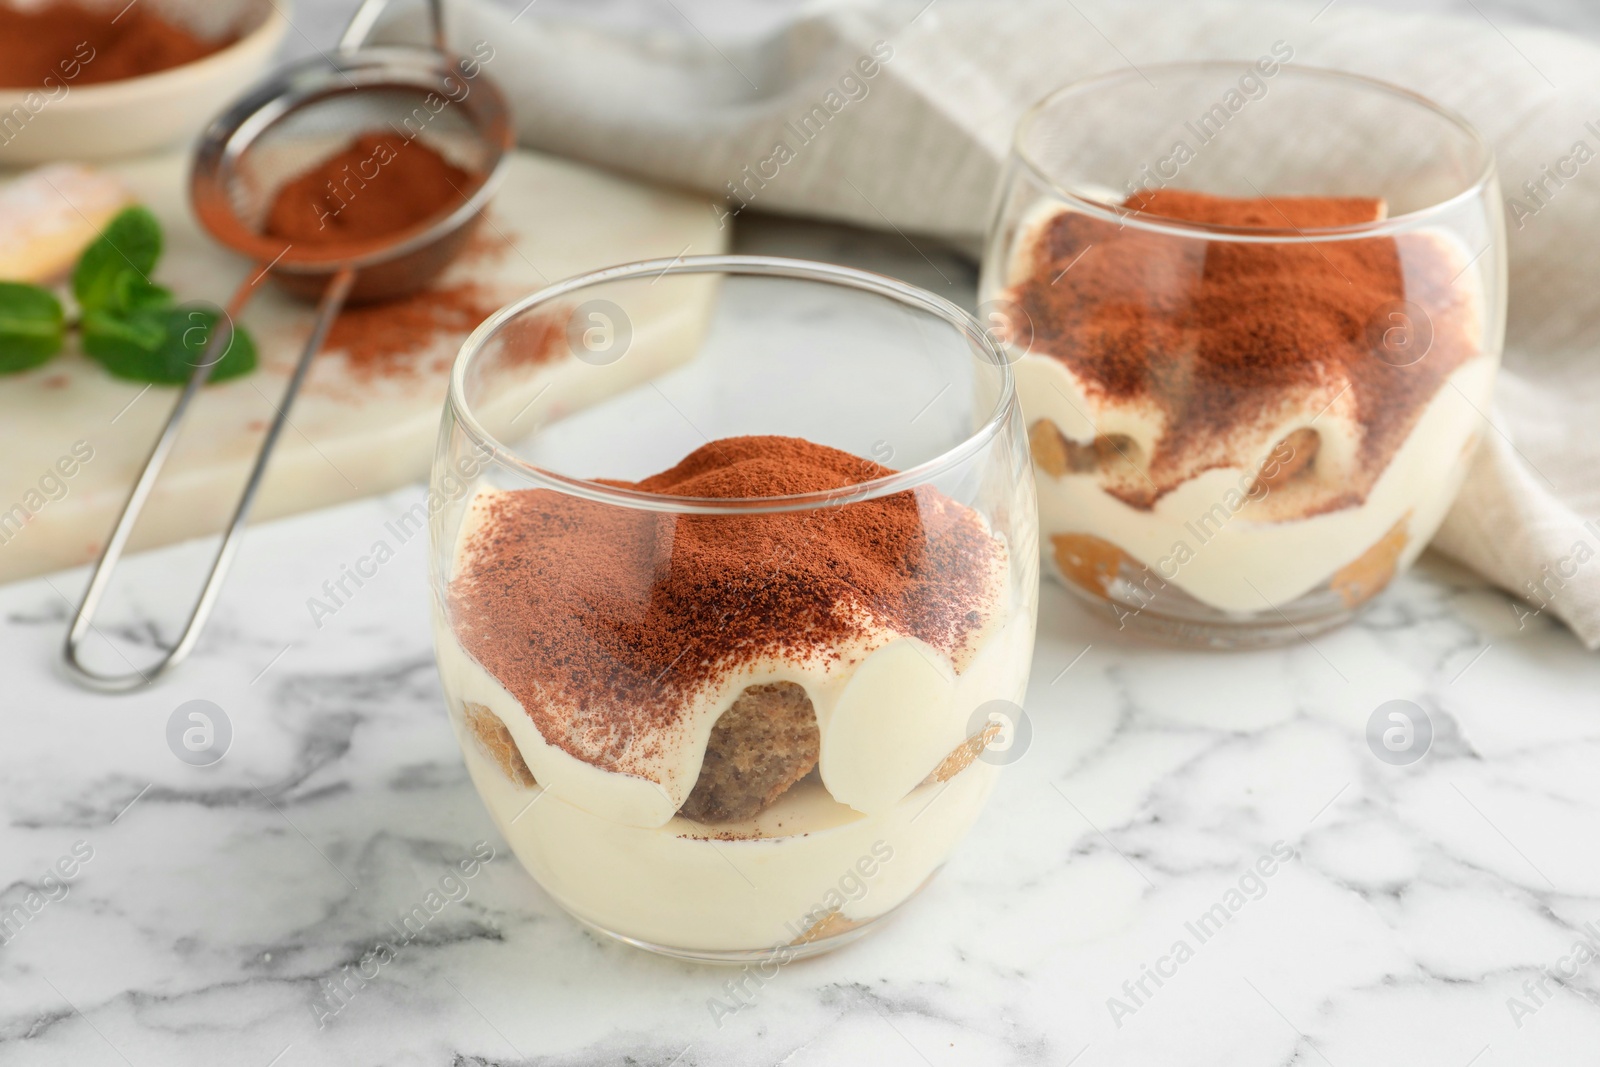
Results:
367 16
333 298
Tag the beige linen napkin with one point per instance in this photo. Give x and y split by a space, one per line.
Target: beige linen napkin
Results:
899 115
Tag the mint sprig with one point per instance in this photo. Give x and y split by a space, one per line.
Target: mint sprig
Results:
129 325
31 326
164 345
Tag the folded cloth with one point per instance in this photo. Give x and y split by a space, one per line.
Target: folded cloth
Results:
898 115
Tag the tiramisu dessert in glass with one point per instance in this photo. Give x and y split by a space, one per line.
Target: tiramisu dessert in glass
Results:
1255 314
734 657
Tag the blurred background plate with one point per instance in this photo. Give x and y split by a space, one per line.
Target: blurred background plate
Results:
132 116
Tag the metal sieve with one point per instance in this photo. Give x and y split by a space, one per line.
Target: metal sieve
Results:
284 126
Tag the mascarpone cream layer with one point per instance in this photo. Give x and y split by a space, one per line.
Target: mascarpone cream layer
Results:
1210 540
596 840
888 706
672 885
888 711
1211 533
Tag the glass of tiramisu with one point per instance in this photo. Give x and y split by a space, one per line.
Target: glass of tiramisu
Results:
734 575
1255 313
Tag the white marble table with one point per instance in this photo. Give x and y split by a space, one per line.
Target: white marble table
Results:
208 909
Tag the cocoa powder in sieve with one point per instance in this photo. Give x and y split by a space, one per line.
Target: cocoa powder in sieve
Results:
376 186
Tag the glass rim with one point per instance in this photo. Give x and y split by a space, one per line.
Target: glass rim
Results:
1247 234
882 285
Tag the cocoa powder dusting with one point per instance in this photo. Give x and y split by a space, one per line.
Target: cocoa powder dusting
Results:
379 339
1223 334
68 44
601 620
376 186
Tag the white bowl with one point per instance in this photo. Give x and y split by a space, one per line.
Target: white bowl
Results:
137 115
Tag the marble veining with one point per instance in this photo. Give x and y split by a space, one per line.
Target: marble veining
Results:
1408 908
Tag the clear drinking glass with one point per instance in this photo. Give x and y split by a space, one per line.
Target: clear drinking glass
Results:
746 709
1255 313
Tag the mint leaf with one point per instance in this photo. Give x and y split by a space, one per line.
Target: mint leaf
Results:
163 345
31 326
189 330
123 341
130 244
134 292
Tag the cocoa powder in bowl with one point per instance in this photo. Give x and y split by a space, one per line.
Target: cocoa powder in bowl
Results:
89 45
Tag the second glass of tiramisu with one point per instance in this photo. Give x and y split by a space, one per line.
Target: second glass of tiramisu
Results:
1255 312
734 655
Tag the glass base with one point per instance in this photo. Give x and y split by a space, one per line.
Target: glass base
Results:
1175 617
781 954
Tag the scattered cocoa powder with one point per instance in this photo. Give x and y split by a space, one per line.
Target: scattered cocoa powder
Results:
487 244
601 619
379 340
71 44
1222 334
533 339
376 186
384 340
